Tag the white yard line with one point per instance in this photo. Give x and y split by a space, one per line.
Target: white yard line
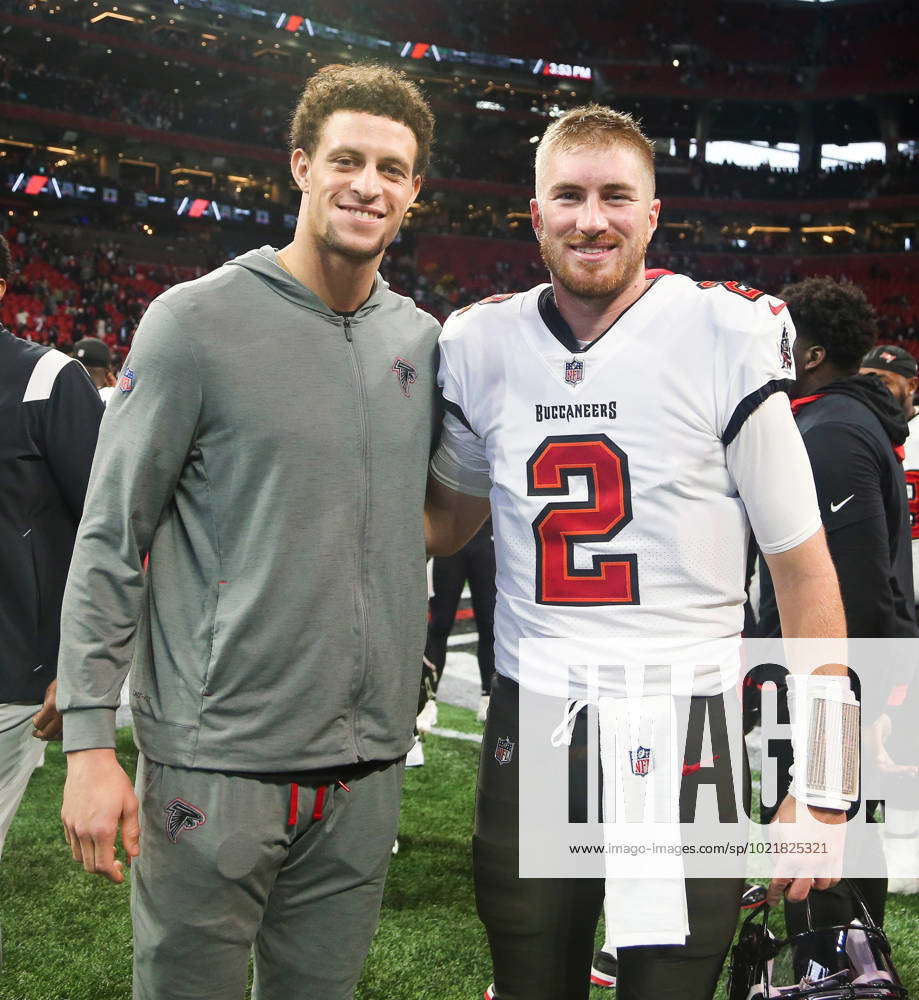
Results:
463 639
455 734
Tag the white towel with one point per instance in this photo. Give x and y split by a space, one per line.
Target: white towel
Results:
642 768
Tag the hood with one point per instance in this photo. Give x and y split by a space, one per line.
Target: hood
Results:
871 391
263 262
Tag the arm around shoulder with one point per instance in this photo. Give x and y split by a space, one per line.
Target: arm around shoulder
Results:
451 518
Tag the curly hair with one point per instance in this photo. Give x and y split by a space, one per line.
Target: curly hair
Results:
368 87
595 125
834 315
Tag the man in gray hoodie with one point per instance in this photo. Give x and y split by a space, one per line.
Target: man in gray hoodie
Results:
274 638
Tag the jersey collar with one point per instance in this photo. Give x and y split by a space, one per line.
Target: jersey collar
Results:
558 325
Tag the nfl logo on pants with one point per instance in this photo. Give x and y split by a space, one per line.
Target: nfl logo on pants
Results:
641 761
504 751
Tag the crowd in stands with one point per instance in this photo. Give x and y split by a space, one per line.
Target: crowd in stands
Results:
64 88
472 146
67 286
57 296
493 212
899 175
711 30
714 39
491 147
447 273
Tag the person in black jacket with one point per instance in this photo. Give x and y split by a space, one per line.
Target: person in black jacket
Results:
474 562
49 419
854 430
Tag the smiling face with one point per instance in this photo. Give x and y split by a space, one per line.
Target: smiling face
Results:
594 214
358 184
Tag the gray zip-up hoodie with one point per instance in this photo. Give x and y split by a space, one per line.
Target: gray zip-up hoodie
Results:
271 457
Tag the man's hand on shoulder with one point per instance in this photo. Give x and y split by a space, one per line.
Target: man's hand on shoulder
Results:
47 721
98 797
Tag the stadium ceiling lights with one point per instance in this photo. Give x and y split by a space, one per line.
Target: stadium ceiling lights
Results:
190 170
143 163
768 229
117 17
828 229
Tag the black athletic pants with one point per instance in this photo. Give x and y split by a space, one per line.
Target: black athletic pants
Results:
474 562
541 931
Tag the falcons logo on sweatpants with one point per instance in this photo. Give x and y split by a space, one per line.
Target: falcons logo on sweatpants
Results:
182 816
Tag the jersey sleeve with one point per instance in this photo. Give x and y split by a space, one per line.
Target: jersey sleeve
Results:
460 462
768 462
758 360
453 376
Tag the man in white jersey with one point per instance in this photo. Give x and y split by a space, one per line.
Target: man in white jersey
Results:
626 431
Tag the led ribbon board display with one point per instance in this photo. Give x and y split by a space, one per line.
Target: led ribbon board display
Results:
297 24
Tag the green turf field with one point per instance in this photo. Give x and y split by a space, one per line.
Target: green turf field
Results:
67 935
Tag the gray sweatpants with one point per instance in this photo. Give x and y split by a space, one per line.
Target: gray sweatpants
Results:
20 754
229 863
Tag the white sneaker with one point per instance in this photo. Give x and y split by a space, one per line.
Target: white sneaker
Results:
395 846
426 719
415 756
482 714
901 850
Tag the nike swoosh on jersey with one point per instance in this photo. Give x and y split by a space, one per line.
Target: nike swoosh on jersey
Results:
838 506
777 309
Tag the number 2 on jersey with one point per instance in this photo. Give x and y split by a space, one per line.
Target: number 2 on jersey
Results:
612 579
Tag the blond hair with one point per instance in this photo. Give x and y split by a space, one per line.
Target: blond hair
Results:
590 126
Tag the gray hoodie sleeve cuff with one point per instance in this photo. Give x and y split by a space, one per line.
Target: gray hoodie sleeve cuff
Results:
89 729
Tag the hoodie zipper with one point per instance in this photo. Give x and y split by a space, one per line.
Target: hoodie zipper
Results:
362 533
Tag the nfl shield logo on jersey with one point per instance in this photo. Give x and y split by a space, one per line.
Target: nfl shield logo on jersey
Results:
126 382
641 761
504 750
574 371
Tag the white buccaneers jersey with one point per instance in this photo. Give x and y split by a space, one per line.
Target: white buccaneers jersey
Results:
911 470
614 506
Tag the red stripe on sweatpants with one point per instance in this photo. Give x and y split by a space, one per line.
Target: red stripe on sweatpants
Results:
294 801
318 804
